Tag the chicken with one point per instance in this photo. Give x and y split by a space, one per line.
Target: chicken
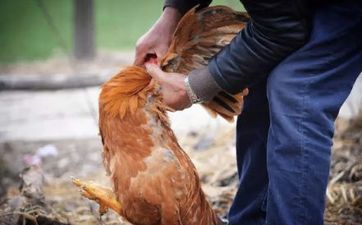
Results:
154 181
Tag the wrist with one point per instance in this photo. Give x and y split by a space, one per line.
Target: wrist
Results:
172 14
169 19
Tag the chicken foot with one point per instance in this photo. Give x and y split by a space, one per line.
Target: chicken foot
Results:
102 195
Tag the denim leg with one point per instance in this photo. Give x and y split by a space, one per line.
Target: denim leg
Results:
252 131
305 93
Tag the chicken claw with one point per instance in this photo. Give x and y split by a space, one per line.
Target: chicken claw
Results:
102 195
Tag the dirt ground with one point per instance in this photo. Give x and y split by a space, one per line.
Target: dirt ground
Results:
213 156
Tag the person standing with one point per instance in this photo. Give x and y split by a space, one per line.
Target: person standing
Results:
299 60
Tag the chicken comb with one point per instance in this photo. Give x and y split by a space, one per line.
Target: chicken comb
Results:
199 35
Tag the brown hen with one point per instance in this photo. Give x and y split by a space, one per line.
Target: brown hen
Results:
155 182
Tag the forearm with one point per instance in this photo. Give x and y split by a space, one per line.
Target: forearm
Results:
276 29
184 5
170 18
267 40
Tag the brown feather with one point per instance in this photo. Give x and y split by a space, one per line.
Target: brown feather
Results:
198 37
154 180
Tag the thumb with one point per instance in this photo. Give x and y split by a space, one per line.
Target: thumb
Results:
156 72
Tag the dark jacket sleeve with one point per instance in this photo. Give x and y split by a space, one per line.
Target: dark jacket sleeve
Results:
184 5
276 29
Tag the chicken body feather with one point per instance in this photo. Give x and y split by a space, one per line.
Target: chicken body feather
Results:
154 180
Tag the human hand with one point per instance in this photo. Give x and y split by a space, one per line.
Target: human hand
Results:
172 87
157 39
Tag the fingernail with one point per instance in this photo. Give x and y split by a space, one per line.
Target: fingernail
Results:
151 68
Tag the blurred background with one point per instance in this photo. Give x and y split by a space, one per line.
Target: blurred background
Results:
55 55
39 29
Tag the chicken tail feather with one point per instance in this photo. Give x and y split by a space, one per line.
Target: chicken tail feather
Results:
226 105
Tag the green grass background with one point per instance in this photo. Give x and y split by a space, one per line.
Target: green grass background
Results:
25 34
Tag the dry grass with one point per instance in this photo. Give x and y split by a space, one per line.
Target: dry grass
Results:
214 158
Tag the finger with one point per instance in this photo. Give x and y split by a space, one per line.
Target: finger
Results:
156 72
142 51
245 92
139 58
144 56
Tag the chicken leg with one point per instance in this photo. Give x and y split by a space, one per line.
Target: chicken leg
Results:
102 195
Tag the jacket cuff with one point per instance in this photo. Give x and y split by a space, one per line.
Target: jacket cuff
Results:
219 79
203 84
181 5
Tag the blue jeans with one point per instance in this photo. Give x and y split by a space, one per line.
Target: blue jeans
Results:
284 135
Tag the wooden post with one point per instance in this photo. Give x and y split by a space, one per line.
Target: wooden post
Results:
84 30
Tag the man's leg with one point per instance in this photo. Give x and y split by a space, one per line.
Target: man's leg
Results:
252 132
305 93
